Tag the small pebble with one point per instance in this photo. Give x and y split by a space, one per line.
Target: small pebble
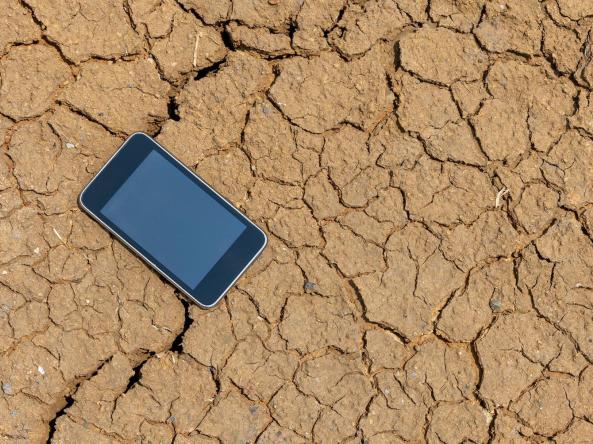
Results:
310 286
70 145
41 370
7 388
13 413
253 409
495 304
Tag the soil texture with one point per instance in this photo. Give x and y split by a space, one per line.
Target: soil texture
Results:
424 170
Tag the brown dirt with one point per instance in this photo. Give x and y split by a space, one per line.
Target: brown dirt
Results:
423 169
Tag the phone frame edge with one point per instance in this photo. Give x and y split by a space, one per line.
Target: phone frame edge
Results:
144 258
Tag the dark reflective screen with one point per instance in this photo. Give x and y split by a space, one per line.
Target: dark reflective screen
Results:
173 219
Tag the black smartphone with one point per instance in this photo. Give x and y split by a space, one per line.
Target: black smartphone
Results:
172 219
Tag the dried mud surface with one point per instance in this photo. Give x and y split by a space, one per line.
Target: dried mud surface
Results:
424 170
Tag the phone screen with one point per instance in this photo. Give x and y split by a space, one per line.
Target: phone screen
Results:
173 219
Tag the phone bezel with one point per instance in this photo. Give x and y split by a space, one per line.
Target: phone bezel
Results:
229 268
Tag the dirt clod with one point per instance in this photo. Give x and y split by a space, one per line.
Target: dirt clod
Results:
31 78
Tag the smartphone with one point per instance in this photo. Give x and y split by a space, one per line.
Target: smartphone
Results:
172 219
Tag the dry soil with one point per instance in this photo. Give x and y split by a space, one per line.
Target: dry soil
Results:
424 170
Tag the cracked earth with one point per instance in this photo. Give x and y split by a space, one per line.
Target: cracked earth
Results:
424 170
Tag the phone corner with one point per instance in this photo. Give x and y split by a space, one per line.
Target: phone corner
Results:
80 200
139 133
264 239
193 298
209 306
265 242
